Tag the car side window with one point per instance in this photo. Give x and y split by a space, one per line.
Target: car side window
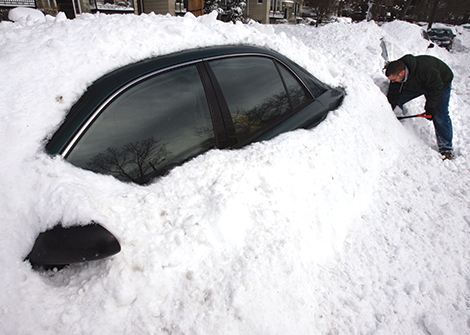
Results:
315 87
149 128
256 94
297 93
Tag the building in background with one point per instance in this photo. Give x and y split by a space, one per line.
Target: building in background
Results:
263 11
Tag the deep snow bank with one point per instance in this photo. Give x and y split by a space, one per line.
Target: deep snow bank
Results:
355 227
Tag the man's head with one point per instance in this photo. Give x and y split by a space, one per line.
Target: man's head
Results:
395 71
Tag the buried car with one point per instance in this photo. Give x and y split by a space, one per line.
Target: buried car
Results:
443 37
139 121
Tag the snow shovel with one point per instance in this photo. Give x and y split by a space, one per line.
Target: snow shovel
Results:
423 115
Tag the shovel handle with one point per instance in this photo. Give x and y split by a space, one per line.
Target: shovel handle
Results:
423 115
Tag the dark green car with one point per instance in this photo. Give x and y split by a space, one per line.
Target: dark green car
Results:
141 120
443 37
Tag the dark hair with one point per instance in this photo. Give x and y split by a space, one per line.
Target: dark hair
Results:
394 68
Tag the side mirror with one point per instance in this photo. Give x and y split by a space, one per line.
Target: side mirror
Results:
431 45
61 246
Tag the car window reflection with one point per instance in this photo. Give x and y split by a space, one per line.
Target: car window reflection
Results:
255 92
148 129
297 92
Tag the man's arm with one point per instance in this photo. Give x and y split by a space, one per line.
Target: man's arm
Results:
393 94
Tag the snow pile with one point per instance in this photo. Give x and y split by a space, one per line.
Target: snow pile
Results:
24 14
354 227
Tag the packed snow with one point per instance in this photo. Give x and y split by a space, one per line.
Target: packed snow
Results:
354 227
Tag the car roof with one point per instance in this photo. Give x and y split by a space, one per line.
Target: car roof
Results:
440 29
150 65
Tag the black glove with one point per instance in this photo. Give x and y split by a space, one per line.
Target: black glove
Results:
430 110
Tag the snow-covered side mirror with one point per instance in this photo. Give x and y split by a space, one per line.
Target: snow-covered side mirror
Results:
61 246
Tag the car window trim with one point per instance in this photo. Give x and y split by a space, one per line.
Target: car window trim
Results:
218 122
229 127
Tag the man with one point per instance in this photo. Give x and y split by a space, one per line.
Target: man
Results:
411 77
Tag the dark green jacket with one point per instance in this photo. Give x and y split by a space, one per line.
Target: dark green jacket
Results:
427 74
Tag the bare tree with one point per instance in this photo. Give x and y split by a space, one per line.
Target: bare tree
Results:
445 11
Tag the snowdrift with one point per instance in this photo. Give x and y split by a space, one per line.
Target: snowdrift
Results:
354 227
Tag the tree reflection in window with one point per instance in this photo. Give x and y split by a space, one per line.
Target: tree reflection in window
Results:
270 111
256 94
134 162
249 121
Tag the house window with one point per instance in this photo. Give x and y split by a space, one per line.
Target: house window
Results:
14 3
275 5
180 7
109 6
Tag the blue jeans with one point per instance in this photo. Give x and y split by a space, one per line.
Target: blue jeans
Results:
442 121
